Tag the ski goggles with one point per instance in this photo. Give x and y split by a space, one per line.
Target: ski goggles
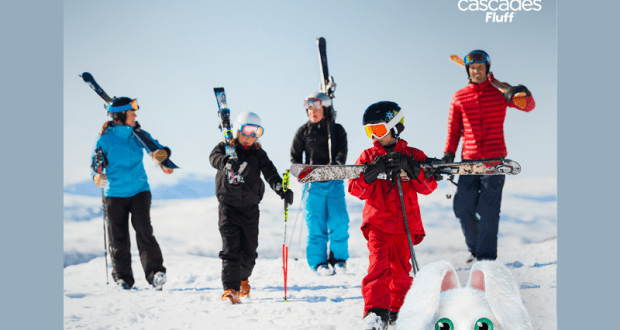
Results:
380 130
133 105
252 130
476 57
313 102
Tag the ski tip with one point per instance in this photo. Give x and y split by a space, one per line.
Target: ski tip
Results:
86 76
456 59
515 167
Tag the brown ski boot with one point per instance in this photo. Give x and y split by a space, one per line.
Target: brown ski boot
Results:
245 289
232 296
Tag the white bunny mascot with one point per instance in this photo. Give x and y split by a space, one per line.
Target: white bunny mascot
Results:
490 301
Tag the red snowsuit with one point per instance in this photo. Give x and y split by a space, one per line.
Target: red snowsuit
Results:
388 280
477 112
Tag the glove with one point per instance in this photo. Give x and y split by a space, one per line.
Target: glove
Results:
233 164
159 156
373 169
513 90
448 157
398 162
99 160
100 180
166 170
288 197
285 195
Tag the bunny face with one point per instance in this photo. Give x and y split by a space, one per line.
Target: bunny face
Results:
489 301
463 309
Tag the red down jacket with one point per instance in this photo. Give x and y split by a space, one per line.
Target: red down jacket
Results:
384 210
477 113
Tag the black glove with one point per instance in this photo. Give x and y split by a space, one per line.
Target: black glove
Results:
373 169
448 157
232 164
99 160
398 161
513 90
288 196
285 195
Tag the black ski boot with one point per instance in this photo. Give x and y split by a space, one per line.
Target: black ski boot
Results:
376 319
392 321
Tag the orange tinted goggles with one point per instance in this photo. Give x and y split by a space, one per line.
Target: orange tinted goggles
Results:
249 130
378 130
131 106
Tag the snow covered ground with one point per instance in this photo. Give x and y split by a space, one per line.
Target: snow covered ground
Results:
187 232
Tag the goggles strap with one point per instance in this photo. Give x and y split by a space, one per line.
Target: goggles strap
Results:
125 107
388 126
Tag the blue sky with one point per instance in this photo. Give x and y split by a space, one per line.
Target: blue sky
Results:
170 55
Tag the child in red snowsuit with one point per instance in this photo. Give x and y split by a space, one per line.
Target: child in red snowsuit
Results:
388 280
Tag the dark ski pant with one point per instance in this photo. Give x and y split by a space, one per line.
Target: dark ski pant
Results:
239 230
482 195
119 209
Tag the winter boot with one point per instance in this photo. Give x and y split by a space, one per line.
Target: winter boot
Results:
392 320
159 280
339 265
340 268
323 270
471 258
376 319
123 285
245 289
232 296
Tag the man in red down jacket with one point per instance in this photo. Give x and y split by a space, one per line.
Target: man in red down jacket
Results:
388 280
477 114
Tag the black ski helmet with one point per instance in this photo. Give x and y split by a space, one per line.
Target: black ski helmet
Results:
385 112
488 61
119 106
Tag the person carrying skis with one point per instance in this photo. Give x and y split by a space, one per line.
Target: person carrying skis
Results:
388 280
477 113
127 191
238 208
324 143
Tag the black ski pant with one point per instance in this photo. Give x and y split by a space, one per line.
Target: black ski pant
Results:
119 209
239 230
482 195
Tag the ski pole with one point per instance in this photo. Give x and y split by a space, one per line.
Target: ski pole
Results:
100 164
414 262
285 180
302 203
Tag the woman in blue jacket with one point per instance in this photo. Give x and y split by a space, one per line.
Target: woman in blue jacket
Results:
127 191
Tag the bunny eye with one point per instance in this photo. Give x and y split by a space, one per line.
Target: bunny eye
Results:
445 324
484 324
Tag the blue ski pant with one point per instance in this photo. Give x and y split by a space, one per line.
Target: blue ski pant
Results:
479 195
328 221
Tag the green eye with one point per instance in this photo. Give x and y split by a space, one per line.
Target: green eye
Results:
484 324
444 324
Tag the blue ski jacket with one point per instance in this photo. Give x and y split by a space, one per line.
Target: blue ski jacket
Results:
125 170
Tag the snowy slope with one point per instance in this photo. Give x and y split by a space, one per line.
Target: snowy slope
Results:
188 234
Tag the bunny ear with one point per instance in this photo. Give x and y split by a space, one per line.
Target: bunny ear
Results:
502 293
476 280
422 300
